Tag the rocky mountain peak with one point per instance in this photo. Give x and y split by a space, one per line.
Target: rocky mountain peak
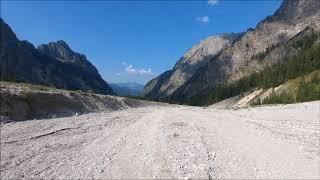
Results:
293 11
206 49
61 44
61 51
53 64
195 58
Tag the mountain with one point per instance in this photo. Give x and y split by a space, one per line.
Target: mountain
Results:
127 89
253 51
195 58
62 52
54 65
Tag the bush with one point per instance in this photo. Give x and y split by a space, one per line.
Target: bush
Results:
307 91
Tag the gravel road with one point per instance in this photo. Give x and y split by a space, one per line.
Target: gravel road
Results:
280 141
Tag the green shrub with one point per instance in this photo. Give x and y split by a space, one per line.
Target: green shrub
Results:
305 61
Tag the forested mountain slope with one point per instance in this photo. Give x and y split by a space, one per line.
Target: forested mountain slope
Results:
270 43
306 59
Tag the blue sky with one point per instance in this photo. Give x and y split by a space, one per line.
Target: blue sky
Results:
132 40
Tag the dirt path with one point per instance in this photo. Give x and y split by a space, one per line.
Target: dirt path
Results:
167 142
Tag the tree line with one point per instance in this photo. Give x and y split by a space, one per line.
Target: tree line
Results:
305 61
306 91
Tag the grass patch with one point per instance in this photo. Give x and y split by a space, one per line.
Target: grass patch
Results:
301 89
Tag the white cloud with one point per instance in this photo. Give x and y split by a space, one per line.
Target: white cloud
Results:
117 74
213 2
204 19
145 72
130 70
124 63
134 71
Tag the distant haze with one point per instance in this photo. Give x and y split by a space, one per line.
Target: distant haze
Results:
127 88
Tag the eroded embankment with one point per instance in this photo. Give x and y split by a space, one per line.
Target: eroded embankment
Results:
25 101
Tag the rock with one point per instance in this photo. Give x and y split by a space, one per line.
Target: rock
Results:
61 51
195 58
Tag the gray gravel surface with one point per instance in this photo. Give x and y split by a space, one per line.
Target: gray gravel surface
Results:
280 141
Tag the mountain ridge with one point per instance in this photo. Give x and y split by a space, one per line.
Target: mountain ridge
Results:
20 61
61 51
194 58
241 58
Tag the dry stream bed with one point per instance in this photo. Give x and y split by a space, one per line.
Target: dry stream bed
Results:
280 141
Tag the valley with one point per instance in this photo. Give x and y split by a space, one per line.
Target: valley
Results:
235 105
167 141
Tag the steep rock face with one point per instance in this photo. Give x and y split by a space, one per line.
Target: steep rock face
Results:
20 61
196 57
274 55
7 35
61 51
293 11
292 18
152 88
269 38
